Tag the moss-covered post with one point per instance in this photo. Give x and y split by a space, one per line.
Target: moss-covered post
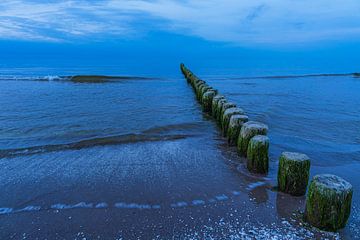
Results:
195 80
183 69
328 202
215 102
249 130
202 89
207 99
293 173
224 106
258 154
191 79
199 87
235 124
218 107
226 118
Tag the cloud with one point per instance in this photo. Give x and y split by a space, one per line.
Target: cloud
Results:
245 22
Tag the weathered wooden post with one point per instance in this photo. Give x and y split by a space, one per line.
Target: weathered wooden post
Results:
328 202
202 89
258 154
215 102
207 99
226 118
224 106
293 173
235 124
249 130
219 105
198 88
197 85
182 68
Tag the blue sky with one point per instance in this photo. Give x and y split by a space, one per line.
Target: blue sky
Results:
330 28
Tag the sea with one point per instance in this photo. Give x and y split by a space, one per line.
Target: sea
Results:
133 156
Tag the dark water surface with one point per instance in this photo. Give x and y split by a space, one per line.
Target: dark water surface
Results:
137 158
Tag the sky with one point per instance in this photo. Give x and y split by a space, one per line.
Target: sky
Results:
228 29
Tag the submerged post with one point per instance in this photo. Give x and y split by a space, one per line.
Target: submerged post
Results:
235 124
249 130
258 154
293 173
328 202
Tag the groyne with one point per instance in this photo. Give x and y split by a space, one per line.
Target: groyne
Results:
326 192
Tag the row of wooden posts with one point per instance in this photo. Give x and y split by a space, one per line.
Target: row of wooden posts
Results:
329 197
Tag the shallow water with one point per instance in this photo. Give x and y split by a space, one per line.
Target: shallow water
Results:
137 158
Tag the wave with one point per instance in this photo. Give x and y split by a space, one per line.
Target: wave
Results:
112 140
161 133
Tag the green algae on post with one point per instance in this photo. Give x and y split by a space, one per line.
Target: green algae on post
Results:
220 103
328 202
215 102
249 130
235 124
258 154
219 106
226 118
202 91
293 173
207 100
224 106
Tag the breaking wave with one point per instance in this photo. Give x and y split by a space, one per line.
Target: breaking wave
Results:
161 133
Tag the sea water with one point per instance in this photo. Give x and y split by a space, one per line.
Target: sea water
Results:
135 157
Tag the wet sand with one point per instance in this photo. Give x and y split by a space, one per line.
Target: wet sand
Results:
193 188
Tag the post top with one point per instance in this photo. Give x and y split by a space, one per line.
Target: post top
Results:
233 110
333 182
253 125
260 139
219 97
300 157
239 117
229 105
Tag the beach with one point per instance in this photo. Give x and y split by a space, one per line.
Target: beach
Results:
136 157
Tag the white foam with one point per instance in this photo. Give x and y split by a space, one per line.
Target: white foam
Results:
254 185
198 202
222 197
67 206
179 204
6 210
132 205
52 78
102 205
29 209
235 193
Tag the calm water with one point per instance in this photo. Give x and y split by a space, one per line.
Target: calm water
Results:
137 158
